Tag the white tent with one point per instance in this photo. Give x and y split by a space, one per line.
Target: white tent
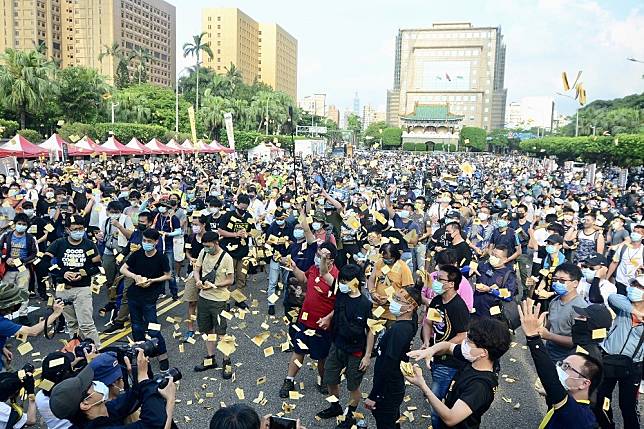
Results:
265 151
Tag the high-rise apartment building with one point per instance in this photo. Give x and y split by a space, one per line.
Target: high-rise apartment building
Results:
262 51
75 32
333 114
455 64
371 115
314 104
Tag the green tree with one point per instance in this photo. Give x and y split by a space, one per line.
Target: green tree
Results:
212 112
473 138
81 94
194 49
121 59
391 136
188 82
26 81
373 133
143 58
234 76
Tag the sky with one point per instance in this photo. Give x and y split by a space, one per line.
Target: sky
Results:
347 46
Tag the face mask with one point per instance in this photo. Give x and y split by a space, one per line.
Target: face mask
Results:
209 250
49 195
141 227
483 216
437 287
77 235
588 273
404 214
286 206
316 226
495 262
636 236
466 350
395 308
21 228
163 209
567 218
213 210
124 194
29 212
191 196
550 249
502 223
115 216
280 222
147 246
101 389
298 234
344 288
419 206
563 376
388 261
559 288
320 201
29 185
580 333
317 261
196 229
634 294
13 192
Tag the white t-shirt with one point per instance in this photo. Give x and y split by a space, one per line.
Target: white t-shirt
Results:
606 288
53 422
629 261
5 412
124 220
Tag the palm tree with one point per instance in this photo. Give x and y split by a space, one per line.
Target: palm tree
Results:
143 57
122 77
195 49
234 76
25 82
212 113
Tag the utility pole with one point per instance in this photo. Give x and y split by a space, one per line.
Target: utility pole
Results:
113 106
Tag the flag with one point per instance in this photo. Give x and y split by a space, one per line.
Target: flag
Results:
564 80
447 77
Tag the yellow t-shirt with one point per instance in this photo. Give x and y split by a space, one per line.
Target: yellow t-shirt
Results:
207 263
398 276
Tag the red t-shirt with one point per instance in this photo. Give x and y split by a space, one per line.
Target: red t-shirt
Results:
319 300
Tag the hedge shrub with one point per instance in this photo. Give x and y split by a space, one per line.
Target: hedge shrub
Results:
10 128
623 149
32 135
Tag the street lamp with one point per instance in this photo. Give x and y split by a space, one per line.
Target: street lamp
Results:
176 102
576 113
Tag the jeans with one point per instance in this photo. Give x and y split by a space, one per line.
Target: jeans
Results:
627 399
441 379
20 279
174 290
142 314
420 253
275 275
409 260
79 315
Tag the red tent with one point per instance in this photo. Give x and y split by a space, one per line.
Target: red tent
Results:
219 148
202 147
113 144
159 148
187 146
172 144
88 144
55 144
138 147
22 148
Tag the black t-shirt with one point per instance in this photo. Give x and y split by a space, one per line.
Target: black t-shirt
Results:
463 253
212 223
357 310
475 388
72 257
151 267
232 221
455 318
195 246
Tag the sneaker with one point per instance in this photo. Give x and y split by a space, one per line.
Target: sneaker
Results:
323 389
271 310
227 369
115 328
287 386
175 297
201 367
32 295
162 296
108 308
242 305
188 335
334 410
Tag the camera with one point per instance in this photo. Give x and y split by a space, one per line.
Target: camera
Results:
28 368
85 346
68 301
163 378
150 348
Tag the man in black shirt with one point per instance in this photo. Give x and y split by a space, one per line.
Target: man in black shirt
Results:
388 388
234 227
352 343
74 260
213 212
475 384
149 268
461 248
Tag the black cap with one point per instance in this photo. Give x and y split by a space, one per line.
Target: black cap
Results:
66 397
554 238
597 314
596 259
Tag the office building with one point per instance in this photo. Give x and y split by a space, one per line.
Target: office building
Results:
314 104
333 114
453 64
356 104
260 51
531 112
75 32
371 115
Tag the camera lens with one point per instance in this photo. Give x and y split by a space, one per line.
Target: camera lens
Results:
162 379
29 368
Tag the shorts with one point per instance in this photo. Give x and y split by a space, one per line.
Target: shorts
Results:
339 360
209 317
190 290
317 345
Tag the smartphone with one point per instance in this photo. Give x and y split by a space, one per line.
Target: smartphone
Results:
282 423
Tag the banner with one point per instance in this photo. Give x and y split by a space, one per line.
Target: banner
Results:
7 163
193 124
228 119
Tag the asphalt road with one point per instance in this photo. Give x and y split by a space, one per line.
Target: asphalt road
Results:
516 405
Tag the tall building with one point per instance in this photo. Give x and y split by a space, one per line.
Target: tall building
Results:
260 51
314 104
356 104
454 64
531 112
333 114
75 32
371 115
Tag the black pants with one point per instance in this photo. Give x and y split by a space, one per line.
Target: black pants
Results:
387 412
627 399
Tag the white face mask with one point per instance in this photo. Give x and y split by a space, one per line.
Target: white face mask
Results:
466 350
483 216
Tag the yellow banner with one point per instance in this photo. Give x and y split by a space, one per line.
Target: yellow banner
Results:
193 124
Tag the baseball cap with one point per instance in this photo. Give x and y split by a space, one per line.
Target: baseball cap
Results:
597 314
56 366
554 238
596 259
67 395
9 384
106 368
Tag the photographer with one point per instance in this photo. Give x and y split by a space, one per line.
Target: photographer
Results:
12 415
86 404
11 298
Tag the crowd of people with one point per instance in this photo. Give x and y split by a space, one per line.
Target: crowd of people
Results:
377 257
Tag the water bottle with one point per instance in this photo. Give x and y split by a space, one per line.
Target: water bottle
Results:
361 424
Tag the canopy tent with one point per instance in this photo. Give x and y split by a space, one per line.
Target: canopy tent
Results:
89 145
138 147
55 144
159 148
219 148
20 147
172 144
187 146
202 147
266 151
114 145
